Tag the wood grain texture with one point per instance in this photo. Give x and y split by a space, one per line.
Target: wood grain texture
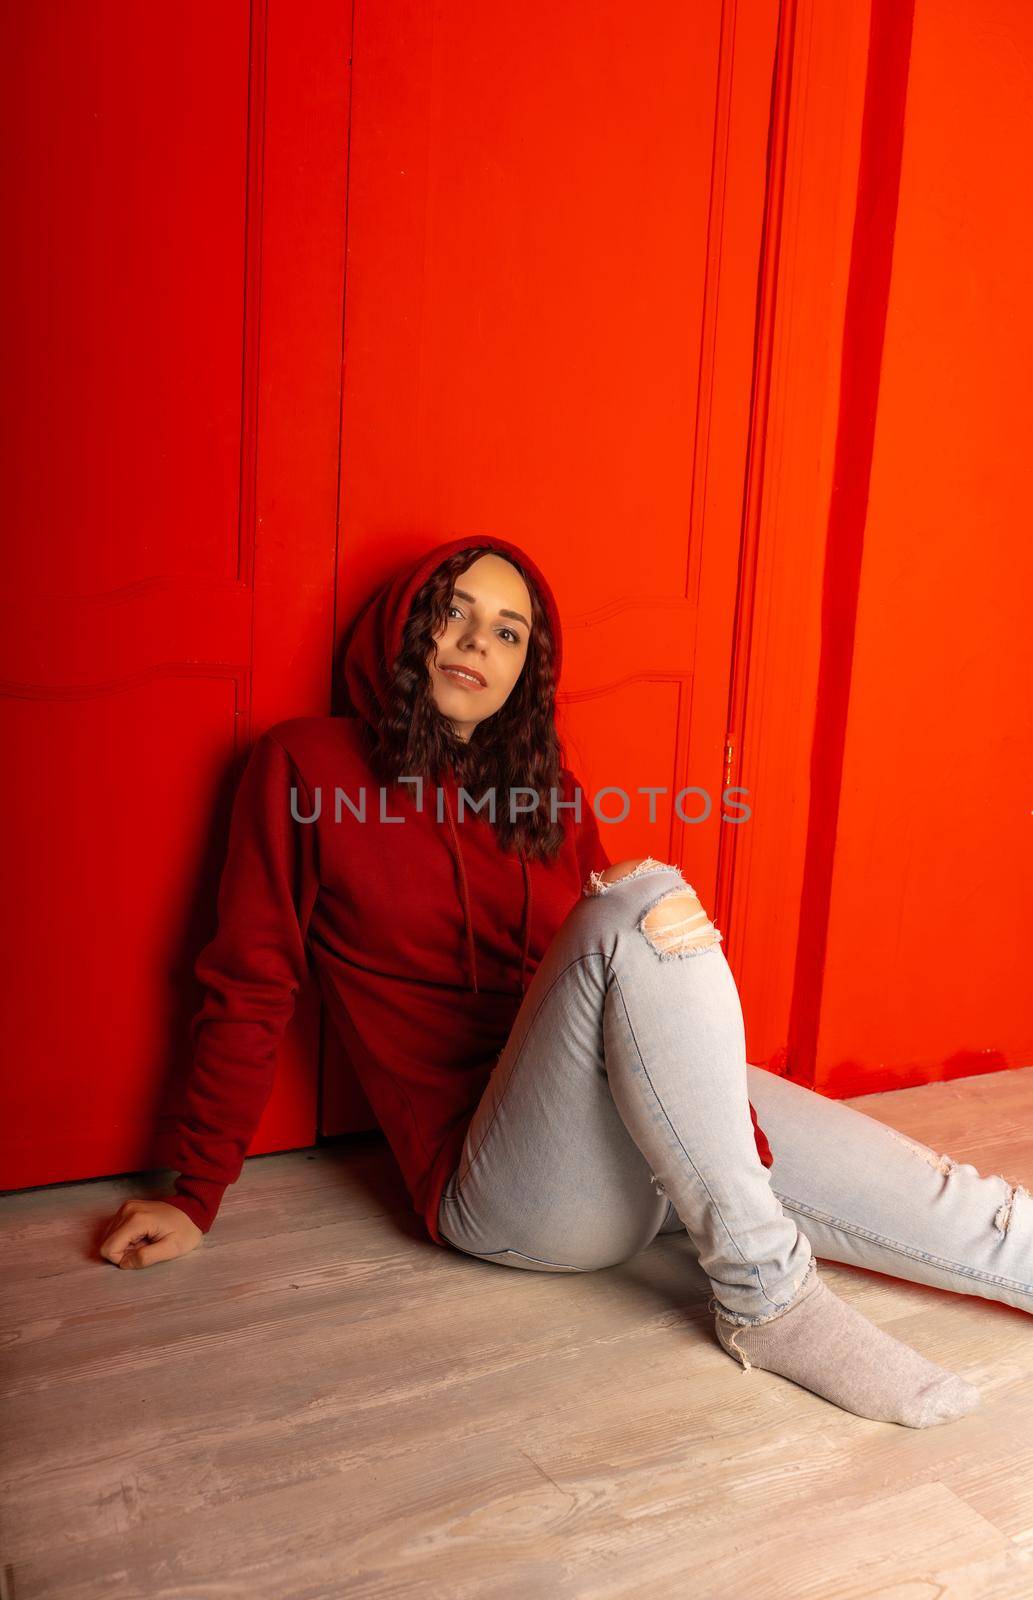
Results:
319 1402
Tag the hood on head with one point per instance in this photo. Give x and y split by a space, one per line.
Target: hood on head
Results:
373 648
376 637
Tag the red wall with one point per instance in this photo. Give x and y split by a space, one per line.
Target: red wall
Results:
173 284
882 924
930 933
722 310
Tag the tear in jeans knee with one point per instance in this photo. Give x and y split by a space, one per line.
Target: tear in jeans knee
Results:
1005 1213
600 883
676 925
943 1164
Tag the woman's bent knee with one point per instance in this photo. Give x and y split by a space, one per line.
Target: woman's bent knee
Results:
598 882
676 924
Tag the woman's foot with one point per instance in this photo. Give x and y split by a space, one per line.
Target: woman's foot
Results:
827 1346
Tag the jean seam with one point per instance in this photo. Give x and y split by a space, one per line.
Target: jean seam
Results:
587 955
441 1230
507 1250
901 1249
685 1153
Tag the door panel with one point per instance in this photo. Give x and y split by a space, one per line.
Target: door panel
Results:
553 244
931 903
171 527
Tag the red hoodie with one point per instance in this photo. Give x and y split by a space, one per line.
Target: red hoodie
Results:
423 934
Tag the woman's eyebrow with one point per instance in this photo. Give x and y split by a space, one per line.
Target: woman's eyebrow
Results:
473 600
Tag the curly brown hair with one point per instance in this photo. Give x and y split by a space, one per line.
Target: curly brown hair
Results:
517 746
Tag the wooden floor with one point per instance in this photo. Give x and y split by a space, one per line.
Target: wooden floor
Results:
320 1402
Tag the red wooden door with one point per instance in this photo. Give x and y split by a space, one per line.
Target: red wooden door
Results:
550 331
554 234
881 894
173 288
935 776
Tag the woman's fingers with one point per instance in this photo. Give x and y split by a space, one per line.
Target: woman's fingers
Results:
146 1231
145 1255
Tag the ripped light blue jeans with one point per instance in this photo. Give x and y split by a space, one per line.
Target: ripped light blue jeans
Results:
619 1110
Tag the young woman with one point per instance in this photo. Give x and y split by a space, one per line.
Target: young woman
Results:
552 1043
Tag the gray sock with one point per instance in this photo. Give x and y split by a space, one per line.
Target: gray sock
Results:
825 1345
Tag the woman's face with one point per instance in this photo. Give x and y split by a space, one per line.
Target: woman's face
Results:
485 635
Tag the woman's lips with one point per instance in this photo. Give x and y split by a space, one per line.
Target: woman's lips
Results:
454 676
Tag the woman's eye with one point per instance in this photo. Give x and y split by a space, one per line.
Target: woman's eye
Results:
514 637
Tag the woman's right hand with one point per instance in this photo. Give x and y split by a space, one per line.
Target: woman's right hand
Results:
145 1231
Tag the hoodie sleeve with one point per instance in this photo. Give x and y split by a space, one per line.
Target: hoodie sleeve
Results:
251 970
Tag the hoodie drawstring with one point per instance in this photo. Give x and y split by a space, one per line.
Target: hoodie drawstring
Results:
467 920
468 917
527 921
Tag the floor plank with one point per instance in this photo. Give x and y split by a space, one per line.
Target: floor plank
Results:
320 1402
